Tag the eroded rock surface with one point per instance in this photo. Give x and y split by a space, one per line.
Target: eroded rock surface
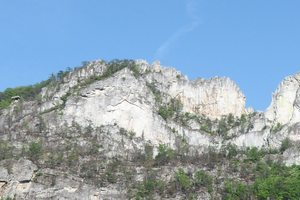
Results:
21 170
291 156
285 102
213 97
87 124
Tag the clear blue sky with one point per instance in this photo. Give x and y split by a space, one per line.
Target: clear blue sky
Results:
256 43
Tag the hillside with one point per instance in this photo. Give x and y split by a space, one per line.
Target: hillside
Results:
129 130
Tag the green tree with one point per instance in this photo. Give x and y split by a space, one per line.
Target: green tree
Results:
254 154
230 119
285 144
35 150
204 180
165 154
243 118
231 150
136 70
163 112
183 182
222 128
9 92
4 104
208 123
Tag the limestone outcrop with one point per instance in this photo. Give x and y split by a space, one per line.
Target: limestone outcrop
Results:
124 100
99 135
213 97
128 101
291 156
21 170
285 103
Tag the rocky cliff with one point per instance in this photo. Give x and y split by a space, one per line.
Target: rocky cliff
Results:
285 102
106 128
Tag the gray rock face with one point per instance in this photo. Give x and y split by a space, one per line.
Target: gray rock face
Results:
291 156
252 139
3 174
127 101
213 97
118 117
51 96
52 184
21 170
285 102
15 176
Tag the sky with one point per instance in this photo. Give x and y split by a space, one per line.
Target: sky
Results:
253 42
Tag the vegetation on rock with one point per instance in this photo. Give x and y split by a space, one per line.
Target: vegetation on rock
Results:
109 156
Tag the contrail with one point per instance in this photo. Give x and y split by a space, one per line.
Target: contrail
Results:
190 9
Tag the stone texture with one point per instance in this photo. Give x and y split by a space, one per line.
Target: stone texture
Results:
128 103
65 188
51 96
3 174
291 156
285 102
23 170
213 97
252 139
125 101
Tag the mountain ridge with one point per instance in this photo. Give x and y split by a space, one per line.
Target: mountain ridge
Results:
89 121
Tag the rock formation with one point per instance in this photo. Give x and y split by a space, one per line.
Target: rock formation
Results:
214 97
285 102
85 136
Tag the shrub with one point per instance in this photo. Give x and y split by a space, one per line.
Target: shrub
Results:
25 124
285 144
203 128
5 150
150 185
230 119
250 126
235 190
243 119
157 93
204 180
222 128
148 151
4 104
163 112
131 134
64 98
73 158
183 182
254 154
35 150
165 154
136 70
231 150
208 124
277 128
111 177
141 193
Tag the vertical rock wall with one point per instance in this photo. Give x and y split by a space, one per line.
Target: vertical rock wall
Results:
285 105
213 97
